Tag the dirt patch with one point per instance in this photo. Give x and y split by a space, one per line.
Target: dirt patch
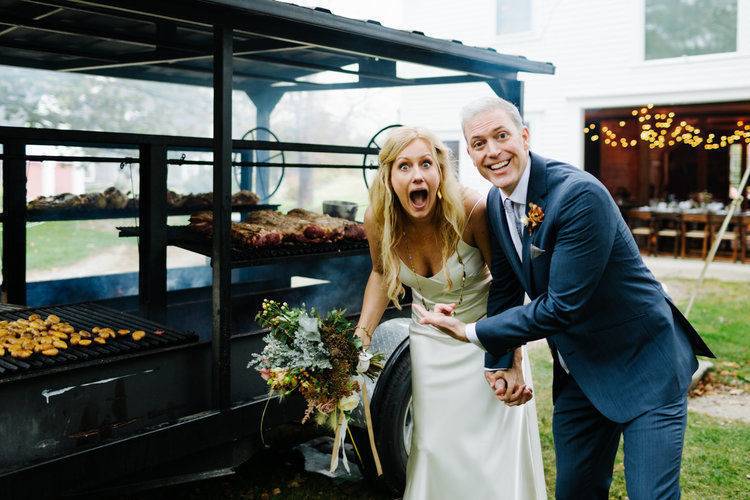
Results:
732 405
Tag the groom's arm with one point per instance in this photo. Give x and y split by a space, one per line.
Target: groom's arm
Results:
585 235
505 292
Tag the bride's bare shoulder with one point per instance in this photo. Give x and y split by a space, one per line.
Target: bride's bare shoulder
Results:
475 204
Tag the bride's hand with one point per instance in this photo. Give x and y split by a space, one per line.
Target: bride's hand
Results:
445 309
509 386
446 324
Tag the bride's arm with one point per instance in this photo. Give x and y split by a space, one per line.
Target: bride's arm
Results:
375 299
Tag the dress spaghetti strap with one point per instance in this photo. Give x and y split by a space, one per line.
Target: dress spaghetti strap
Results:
468 217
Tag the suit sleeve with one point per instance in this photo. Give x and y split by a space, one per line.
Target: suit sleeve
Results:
586 231
505 292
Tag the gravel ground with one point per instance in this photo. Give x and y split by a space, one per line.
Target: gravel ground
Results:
733 405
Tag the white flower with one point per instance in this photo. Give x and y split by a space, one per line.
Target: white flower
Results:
524 221
308 327
364 361
349 402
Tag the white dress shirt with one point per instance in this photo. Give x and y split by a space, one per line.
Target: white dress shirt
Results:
518 197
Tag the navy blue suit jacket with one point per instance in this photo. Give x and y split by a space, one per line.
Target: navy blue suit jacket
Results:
593 299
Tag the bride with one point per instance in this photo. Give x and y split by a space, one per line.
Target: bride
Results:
429 234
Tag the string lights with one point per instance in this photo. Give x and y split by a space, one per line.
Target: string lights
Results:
660 130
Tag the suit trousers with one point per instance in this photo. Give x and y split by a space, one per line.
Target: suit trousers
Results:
586 444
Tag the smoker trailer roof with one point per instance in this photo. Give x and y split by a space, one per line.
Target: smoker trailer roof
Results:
274 44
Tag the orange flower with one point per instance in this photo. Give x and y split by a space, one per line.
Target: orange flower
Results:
534 217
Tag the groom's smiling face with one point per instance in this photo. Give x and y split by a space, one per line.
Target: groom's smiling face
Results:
498 148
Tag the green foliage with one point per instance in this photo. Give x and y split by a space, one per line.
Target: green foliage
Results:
674 28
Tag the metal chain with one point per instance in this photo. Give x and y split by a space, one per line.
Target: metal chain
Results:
417 276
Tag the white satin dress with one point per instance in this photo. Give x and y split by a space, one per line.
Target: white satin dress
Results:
465 443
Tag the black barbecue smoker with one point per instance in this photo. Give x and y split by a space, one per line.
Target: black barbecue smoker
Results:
183 404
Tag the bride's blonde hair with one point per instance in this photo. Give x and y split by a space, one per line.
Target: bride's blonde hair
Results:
389 215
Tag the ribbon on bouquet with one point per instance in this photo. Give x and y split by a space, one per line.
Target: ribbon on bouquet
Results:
342 422
338 443
370 432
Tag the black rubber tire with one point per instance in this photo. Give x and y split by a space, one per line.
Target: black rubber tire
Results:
388 415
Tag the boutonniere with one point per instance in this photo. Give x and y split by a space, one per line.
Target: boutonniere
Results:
533 218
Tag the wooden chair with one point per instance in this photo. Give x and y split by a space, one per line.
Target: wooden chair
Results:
731 235
641 225
745 237
695 227
668 225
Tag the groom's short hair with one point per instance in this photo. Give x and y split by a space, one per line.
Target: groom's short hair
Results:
490 103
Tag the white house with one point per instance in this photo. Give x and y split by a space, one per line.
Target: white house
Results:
616 54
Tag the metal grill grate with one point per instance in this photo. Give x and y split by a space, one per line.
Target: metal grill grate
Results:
85 317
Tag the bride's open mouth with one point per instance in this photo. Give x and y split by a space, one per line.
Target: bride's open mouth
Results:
499 166
419 197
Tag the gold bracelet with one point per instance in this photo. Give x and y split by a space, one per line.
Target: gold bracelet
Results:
369 335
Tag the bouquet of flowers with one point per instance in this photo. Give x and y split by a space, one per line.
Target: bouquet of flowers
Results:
323 359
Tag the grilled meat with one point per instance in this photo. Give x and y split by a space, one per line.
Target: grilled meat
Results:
23 337
244 234
115 198
265 228
351 230
245 197
204 200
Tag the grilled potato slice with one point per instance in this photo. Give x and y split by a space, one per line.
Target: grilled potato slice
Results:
84 342
50 352
138 335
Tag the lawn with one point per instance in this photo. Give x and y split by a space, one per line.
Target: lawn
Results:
721 315
58 244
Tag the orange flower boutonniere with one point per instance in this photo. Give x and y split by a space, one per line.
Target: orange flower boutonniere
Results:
534 217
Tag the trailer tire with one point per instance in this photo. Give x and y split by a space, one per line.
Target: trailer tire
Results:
392 425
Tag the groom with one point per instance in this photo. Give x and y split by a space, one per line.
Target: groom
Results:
623 354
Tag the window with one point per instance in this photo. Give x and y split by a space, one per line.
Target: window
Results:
675 28
513 16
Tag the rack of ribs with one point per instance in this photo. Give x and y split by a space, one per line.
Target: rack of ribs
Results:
244 234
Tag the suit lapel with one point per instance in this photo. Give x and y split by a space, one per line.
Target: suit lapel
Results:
536 193
503 232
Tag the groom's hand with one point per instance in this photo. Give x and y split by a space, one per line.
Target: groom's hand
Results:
509 387
446 324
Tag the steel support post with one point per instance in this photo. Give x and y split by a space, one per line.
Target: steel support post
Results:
222 173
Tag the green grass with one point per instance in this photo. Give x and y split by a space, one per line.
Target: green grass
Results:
721 315
58 244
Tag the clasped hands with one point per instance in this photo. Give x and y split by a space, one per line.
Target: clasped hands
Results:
508 385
